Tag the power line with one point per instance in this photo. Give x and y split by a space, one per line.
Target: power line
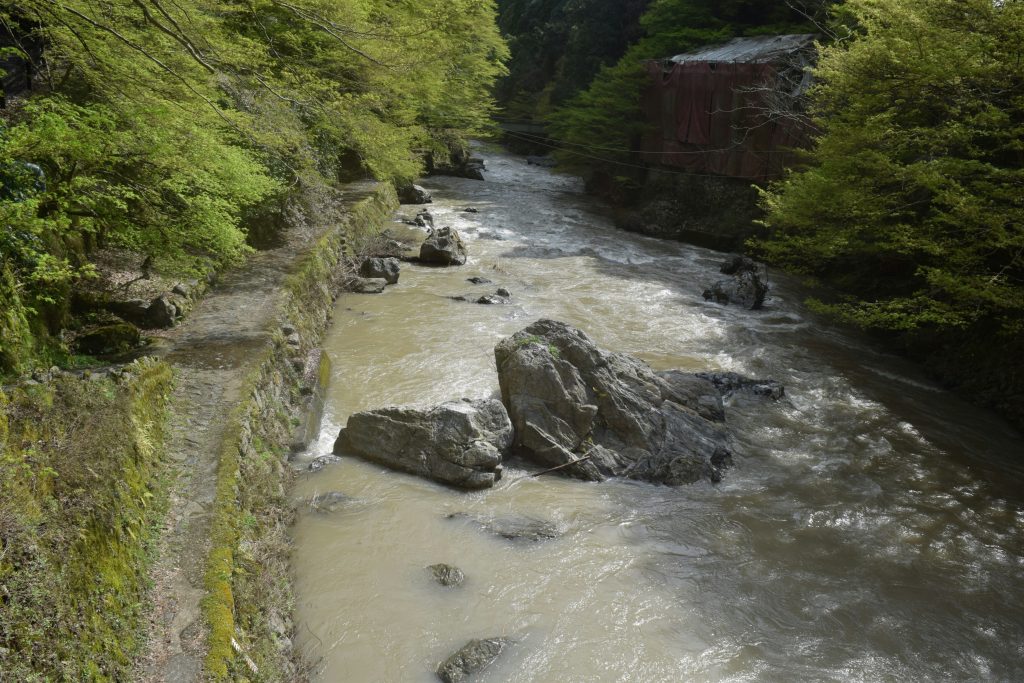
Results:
629 165
640 151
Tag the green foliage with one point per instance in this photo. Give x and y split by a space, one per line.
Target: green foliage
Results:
599 126
15 335
911 204
81 491
557 46
162 125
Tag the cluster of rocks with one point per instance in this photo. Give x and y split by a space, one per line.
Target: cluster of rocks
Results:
567 406
500 296
744 286
120 331
38 376
161 311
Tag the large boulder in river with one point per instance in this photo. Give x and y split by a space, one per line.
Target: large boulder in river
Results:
744 288
443 247
460 443
385 268
595 414
412 194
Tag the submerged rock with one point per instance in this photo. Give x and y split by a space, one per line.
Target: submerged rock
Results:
472 658
413 194
331 501
745 288
447 575
477 280
368 285
460 443
501 296
443 247
545 162
387 269
730 382
318 463
594 414
424 219
513 528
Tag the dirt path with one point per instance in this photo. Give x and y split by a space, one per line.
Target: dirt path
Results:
212 352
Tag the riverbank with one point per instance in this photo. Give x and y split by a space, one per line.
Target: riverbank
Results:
145 516
221 593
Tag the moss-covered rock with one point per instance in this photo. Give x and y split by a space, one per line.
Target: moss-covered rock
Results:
107 339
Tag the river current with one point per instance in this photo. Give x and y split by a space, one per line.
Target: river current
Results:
871 529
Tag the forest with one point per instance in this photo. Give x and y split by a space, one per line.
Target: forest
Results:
906 212
172 131
168 129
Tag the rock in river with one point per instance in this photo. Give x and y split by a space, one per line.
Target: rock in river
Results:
447 575
413 194
596 414
443 247
368 285
744 288
475 656
512 527
384 268
730 382
460 443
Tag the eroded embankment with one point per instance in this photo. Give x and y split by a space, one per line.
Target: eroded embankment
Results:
221 590
83 486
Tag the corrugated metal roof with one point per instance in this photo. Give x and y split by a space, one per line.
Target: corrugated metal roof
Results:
754 50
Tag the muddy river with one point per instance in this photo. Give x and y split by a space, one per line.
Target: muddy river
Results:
871 529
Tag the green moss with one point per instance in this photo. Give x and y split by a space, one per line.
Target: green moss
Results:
81 493
16 343
115 338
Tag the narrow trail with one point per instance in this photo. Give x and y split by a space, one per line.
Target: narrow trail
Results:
212 353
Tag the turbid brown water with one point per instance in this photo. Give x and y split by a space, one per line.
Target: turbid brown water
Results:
871 529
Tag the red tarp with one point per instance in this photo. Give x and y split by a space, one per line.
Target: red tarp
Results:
707 118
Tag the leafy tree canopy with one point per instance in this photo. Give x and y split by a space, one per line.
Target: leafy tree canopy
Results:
912 201
157 125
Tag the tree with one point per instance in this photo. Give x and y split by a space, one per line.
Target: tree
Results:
159 126
911 203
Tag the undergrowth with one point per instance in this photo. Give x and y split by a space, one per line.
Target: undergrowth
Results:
81 496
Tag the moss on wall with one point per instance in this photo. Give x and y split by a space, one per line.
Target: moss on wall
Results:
80 494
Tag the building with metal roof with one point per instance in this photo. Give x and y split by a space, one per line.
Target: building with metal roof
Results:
727 109
752 50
